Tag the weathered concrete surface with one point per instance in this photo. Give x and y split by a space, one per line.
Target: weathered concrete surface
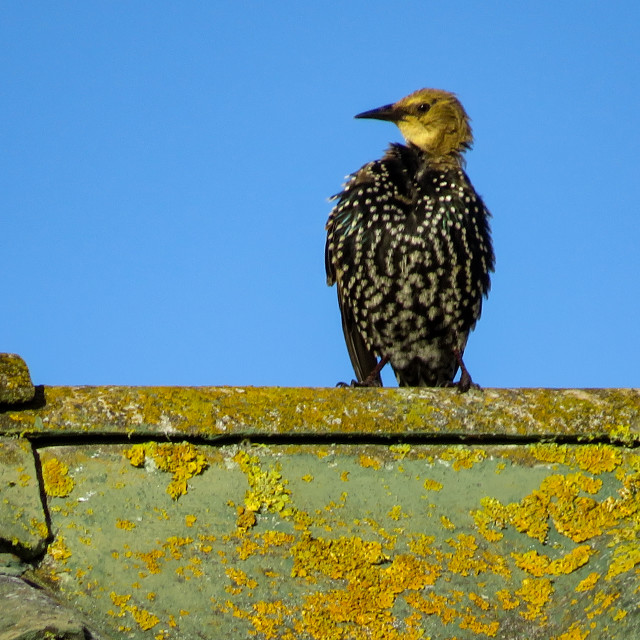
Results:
223 412
348 513
23 525
321 541
15 381
28 613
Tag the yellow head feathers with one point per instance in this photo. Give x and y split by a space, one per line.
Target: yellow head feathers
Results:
431 119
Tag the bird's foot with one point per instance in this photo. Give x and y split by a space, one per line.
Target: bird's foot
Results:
465 383
368 382
372 380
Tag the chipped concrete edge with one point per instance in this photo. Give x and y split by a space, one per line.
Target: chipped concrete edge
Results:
15 380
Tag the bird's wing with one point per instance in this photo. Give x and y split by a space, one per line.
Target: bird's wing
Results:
363 359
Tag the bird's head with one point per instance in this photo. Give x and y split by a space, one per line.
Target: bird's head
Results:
431 119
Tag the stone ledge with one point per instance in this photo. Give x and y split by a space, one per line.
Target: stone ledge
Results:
214 413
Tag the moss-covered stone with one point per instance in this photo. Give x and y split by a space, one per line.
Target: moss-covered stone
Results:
15 380
216 413
23 525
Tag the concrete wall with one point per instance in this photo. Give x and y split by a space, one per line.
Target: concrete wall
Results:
317 513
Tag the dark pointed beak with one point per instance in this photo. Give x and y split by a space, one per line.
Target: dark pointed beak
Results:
388 112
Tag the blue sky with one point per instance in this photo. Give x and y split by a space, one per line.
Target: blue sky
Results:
165 170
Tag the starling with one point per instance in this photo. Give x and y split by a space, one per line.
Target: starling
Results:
409 246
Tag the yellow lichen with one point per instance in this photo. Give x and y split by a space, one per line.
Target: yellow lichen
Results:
539 565
625 557
536 592
602 602
345 556
464 560
396 512
127 525
39 527
421 544
479 601
550 453
119 601
58 549
559 500
399 451
370 598
182 460
598 458
150 559
507 600
571 561
432 485
475 624
240 578
434 604
463 457
247 548
595 458
137 454
532 562
174 545
575 632
57 481
268 618
484 521
143 618
191 570
589 582
246 519
367 461
268 490
262 543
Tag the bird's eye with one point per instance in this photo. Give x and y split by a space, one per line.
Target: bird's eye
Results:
424 107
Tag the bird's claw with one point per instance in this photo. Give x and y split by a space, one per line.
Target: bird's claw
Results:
464 384
357 383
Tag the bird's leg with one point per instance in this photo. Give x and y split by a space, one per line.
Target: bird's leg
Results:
465 383
370 380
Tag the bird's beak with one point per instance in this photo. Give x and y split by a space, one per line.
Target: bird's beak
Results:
389 112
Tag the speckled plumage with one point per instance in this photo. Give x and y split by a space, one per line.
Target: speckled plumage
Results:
409 247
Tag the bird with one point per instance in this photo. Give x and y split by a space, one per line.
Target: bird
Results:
409 247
